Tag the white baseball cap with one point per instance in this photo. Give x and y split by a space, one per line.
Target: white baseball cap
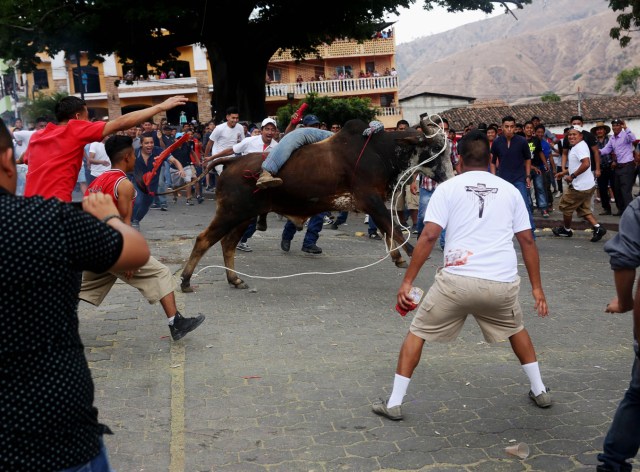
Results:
266 121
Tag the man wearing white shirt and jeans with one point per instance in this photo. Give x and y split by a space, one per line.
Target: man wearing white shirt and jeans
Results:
481 213
580 188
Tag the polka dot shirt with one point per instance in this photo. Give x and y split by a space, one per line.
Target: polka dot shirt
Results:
47 418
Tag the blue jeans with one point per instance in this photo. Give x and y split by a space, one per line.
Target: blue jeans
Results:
249 231
538 181
162 185
521 185
313 229
623 439
292 141
341 218
425 196
141 205
100 463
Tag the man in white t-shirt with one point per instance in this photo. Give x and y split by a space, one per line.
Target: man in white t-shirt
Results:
225 136
580 188
481 213
98 159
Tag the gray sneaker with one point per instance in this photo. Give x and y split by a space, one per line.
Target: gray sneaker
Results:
543 400
394 413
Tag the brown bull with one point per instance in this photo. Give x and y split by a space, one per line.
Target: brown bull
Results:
345 172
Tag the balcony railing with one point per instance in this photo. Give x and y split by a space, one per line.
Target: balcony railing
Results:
344 48
388 111
158 83
333 87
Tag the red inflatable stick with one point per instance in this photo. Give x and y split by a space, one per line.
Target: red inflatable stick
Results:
144 180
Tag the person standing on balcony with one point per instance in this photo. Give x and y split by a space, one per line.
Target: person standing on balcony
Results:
55 153
225 135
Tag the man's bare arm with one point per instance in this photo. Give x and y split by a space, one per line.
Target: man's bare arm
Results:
532 263
135 117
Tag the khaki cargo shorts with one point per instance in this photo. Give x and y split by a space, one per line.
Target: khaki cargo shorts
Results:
452 298
576 200
153 280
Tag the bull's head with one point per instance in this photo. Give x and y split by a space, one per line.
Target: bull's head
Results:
434 152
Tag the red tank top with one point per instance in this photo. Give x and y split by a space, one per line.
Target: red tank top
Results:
107 183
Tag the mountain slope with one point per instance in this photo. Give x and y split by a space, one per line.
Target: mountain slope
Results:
560 48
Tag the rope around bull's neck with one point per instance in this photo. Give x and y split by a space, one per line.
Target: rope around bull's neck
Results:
394 215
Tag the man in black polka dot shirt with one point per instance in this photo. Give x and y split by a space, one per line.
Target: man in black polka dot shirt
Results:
47 418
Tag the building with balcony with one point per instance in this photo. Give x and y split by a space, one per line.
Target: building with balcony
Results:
342 69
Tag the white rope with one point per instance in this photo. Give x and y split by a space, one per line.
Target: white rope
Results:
393 211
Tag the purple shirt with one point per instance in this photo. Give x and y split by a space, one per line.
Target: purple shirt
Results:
621 145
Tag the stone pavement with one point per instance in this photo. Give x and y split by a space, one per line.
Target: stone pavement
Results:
280 377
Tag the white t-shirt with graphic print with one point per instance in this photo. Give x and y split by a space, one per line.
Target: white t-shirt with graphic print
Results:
481 213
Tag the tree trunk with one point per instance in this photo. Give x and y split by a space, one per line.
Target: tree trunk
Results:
239 80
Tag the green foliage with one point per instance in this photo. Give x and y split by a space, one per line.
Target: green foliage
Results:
576 77
628 80
330 110
628 21
550 97
41 105
240 36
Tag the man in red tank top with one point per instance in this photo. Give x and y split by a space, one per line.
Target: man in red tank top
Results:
153 280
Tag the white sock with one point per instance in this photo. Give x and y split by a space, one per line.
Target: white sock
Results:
533 372
170 320
400 385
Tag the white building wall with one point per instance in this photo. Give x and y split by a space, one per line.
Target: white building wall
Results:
413 107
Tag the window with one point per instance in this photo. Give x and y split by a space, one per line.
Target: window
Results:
40 79
386 100
275 75
370 66
346 71
88 80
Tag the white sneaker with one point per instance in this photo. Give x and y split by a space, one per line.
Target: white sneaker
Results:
243 247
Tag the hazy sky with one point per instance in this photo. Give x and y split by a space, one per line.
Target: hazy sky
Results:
415 22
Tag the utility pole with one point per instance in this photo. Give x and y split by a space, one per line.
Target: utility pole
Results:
579 102
80 82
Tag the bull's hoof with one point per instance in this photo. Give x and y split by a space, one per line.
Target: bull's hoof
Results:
186 288
261 226
401 264
238 283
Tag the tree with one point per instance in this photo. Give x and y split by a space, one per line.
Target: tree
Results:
330 110
628 21
550 97
240 36
627 79
41 106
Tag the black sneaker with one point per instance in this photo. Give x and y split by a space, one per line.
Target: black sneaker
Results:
561 231
598 232
285 245
313 249
199 198
333 226
181 325
189 202
375 236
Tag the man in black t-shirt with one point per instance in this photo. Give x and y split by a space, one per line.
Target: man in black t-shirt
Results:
538 168
185 154
47 417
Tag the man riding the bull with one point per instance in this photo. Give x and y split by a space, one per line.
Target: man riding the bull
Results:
292 140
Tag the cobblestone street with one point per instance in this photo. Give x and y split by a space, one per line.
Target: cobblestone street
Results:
281 377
